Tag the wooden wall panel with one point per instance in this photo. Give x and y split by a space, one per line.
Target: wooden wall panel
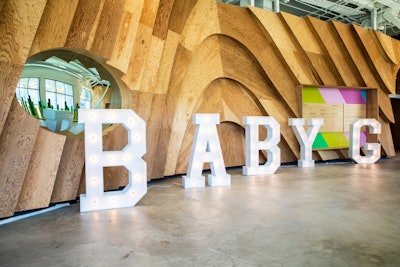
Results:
334 47
377 60
42 170
84 24
162 19
135 71
173 58
180 13
390 47
16 145
9 76
53 31
274 63
207 62
125 40
17 31
107 29
149 12
18 28
69 172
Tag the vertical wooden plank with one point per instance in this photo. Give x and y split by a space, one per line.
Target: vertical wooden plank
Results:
149 12
333 46
380 64
133 77
9 76
84 24
152 65
42 170
154 129
19 20
18 23
107 29
162 19
180 13
349 38
54 25
69 172
125 40
16 145
166 64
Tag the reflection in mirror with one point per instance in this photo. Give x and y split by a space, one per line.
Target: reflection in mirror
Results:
52 89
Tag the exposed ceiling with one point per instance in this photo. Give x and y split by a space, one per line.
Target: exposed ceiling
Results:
382 15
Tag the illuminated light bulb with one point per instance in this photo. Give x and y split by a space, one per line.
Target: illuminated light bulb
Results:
93 138
93 159
111 116
137 177
199 148
136 137
94 181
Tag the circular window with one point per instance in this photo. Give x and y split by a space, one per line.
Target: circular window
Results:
55 84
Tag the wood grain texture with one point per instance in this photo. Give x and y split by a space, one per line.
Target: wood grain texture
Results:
107 29
39 180
127 30
162 19
84 24
351 41
19 20
9 75
16 146
69 172
171 59
334 47
53 32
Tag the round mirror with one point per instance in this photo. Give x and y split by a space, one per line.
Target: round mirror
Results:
55 84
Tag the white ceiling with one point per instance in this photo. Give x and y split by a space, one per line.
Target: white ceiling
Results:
382 15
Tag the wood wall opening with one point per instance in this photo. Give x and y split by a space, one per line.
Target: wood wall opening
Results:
113 98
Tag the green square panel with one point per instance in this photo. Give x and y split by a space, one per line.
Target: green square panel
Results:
312 95
319 142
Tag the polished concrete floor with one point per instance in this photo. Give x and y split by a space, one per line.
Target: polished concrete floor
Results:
331 215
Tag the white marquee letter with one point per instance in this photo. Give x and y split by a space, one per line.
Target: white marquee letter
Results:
253 145
130 157
306 140
206 148
374 149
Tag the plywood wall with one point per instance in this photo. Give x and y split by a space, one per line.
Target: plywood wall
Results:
174 58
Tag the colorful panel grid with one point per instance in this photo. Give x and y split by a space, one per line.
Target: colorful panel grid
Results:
319 102
335 140
334 95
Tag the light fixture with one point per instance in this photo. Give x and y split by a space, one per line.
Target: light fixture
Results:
374 149
206 148
253 145
130 157
306 139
